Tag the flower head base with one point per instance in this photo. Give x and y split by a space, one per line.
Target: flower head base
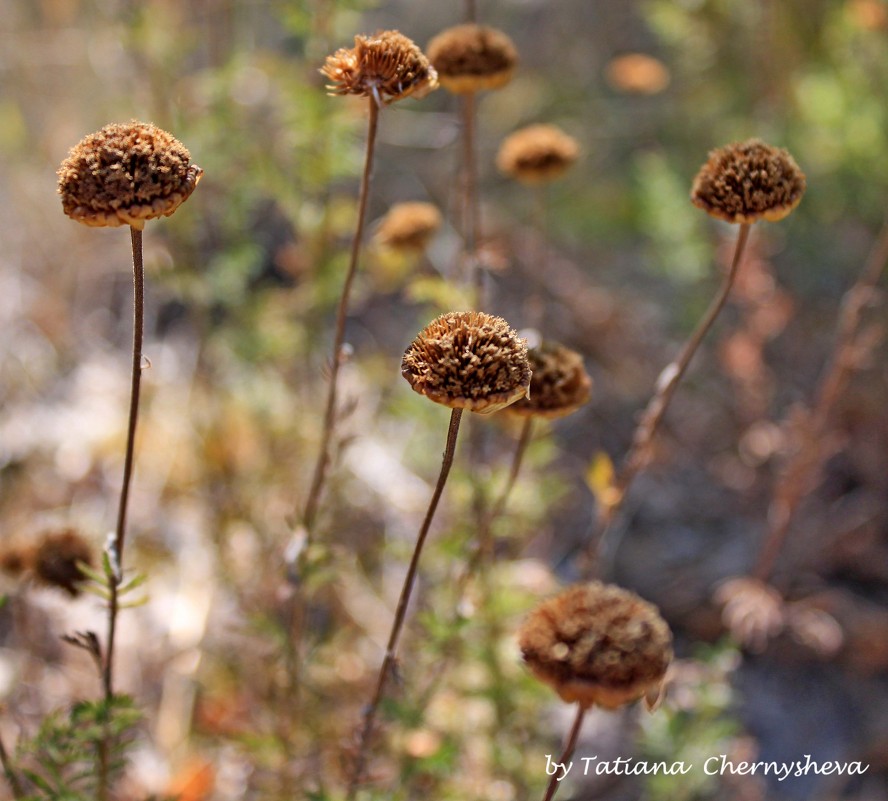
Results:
597 644
537 154
387 67
472 58
468 360
55 559
560 383
409 226
126 174
748 181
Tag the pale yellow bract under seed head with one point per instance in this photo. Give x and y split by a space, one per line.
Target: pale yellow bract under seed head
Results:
125 174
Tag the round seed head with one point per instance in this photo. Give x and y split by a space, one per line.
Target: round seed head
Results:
748 181
597 644
637 73
409 226
468 360
386 66
560 383
471 58
126 174
537 154
55 559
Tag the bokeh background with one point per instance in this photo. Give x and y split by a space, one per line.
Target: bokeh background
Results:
613 261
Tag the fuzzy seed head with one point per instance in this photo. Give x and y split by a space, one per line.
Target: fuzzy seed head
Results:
748 181
409 226
468 360
471 58
560 383
126 174
537 154
386 66
597 644
55 559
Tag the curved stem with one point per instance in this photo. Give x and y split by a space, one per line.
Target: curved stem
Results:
640 450
499 505
572 738
401 612
320 471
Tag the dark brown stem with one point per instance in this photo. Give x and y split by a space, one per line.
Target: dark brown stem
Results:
499 505
803 468
401 612
471 15
312 503
668 381
572 738
11 776
471 223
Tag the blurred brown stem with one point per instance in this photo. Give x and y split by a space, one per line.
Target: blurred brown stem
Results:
668 381
569 748
11 776
472 271
403 601
320 471
804 466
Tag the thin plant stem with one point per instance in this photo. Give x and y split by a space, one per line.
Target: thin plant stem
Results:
569 748
474 275
668 381
401 611
499 505
312 503
806 463
471 14
11 776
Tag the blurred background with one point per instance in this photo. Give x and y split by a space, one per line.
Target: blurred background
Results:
613 261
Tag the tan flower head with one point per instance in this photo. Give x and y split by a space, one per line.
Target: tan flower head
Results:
537 154
55 557
468 360
471 58
637 73
597 644
748 181
126 174
386 66
409 226
560 383
753 611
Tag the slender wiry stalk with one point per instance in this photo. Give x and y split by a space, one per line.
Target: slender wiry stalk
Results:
499 505
320 471
471 15
640 450
11 776
471 223
572 738
401 612
806 463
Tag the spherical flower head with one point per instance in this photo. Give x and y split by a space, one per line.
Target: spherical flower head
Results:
748 181
409 226
471 58
125 174
597 644
537 154
55 559
753 612
560 383
468 360
386 66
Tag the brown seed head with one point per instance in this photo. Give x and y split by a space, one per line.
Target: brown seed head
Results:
14 559
386 66
409 226
637 73
468 360
748 181
597 644
126 174
55 559
560 383
753 612
537 154
471 58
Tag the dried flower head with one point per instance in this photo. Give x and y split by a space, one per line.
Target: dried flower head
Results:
386 66
125 174
14 559
56 556
597 644
468 360
537 154
471 58
753 611
560 383
748 181
409 226
637 73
